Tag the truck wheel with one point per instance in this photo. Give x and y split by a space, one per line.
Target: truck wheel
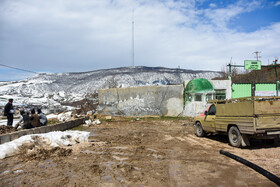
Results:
234 136
199 130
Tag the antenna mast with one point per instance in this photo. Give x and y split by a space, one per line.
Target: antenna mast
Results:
132 55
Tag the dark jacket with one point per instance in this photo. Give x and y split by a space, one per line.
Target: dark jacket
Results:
8 108
35 122
26 122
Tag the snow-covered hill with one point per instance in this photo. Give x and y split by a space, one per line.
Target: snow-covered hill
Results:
52 89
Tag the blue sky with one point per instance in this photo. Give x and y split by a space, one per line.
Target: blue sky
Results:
76 36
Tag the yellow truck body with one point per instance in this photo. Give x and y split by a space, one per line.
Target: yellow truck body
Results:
253 117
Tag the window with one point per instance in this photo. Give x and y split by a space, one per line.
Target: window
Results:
212 110
209 97
220 94
188 97
198 97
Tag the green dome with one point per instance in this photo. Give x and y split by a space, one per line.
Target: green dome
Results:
199 85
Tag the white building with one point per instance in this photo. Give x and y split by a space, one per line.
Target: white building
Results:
198 91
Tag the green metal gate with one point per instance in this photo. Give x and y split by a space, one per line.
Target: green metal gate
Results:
241 90
265 89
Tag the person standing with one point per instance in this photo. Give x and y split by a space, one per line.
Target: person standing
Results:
42 117
9 112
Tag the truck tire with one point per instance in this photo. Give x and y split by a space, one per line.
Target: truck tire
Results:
234 136
199 130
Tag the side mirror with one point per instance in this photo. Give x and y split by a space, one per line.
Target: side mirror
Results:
205 113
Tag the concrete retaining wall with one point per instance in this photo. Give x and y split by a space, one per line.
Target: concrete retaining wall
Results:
57 127
142 101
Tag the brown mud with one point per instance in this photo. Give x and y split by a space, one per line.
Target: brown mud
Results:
140 153
6 129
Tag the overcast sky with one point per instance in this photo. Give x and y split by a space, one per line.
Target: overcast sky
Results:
85 35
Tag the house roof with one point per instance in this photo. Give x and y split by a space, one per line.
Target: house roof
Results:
199 86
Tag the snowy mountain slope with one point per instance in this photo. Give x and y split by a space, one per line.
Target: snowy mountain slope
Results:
52 89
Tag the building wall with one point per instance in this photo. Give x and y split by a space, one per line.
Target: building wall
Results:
154 100
223 84
142 101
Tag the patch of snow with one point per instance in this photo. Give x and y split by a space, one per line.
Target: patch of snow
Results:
53 139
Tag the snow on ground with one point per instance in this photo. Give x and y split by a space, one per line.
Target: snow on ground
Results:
61 117
4 122
53 139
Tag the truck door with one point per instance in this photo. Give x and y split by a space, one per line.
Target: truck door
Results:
209 120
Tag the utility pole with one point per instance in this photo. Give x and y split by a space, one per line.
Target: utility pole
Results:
277 80
257 54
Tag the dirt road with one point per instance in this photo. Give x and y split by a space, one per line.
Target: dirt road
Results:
141 153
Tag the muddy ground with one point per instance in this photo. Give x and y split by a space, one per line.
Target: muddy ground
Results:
141 153
6 129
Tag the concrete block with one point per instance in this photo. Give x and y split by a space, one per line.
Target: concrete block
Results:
36 130
47 129
72 124
67 125
5 138
52 128
56 127
42 129
59 127
64 126
29 131
14 136
22 133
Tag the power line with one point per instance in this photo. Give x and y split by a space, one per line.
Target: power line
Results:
17 68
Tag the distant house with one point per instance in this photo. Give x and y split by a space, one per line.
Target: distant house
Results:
198 91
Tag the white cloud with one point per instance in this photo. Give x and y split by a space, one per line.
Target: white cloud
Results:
277 3
70 35
213 5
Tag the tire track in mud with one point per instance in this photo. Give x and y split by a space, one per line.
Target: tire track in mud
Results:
175 171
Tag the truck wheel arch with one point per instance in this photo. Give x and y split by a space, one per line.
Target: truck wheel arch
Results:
230 125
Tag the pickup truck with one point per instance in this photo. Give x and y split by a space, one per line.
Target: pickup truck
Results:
241 119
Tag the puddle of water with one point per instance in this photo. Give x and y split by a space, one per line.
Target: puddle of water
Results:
119 158
5 172
18 171
91 152
149 149
125 154
120 147
107 178
157 156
